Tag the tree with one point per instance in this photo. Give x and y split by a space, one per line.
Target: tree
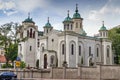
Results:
8 40
114 36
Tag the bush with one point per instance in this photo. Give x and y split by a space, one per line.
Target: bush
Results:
22 65
7 66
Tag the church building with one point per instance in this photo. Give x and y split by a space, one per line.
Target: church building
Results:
71 46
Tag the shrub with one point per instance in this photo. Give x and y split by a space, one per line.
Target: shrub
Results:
7 66
22 64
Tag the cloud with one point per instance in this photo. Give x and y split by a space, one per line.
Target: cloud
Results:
14 6
111 7
30 5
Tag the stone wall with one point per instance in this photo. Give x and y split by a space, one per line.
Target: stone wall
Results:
103 72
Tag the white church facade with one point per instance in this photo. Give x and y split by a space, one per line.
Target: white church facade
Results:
72 45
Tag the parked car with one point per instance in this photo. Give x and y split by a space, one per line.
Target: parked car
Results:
8 76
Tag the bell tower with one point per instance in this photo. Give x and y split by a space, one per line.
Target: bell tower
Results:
78 22
47 27
68 23
28 33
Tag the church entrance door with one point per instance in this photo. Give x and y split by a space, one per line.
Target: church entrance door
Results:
45 61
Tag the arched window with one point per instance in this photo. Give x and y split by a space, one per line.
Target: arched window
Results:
63 49
103 34
76 25
52 59
71 27
42 49
108 52
30 48
72 49
30 33
97 52
34 34
27 33
89 51
67 26
79 50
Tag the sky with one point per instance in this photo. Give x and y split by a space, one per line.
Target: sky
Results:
93 12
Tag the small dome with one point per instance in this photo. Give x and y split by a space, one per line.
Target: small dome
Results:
103 28
29 20
68 19
48 24
76 14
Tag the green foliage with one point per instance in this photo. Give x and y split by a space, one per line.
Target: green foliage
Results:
7 66
114 36
22 65
37 63
8 34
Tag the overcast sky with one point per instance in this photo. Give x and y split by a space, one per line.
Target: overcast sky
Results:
92 11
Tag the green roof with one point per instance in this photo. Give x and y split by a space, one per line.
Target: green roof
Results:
76 15
103 28
29 20
48 24
84 33
68 19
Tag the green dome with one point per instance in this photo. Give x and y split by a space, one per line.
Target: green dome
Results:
103 28
48 24
76 14
68 19
29 20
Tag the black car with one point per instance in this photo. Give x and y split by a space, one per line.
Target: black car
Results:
8 76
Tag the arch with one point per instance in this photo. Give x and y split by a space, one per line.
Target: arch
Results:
45 61
34 34
72 54
89 50
76 25
27 33
52 58
72 47
90 62
80 54
62 47
108 51
97 50
42 47
31 33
